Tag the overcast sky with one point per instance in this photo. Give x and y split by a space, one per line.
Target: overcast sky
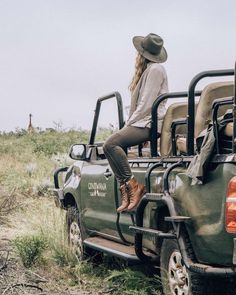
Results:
58 56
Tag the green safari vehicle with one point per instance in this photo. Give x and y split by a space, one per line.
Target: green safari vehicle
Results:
187 229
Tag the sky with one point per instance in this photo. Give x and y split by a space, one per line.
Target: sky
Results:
58 56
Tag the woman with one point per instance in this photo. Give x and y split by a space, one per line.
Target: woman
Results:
149 81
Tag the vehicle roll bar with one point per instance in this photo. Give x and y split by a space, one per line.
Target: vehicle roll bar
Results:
155 106
115 94
234 113
216 105
191 103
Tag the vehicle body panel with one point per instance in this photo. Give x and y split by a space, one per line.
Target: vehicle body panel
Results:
205 204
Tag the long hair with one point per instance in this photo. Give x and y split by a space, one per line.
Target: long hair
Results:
140 66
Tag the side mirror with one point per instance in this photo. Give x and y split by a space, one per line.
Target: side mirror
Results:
78 152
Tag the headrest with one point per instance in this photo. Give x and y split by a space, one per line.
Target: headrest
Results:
209 94
175 111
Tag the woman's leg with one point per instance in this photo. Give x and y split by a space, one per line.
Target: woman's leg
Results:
115 146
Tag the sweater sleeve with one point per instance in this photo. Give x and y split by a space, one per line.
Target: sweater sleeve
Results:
150 92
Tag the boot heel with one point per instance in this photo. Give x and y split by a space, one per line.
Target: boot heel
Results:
135 192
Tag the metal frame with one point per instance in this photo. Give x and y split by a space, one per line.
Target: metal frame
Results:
191 103
215 108
148 174
234 114
56 176
154 125
191 94
179 226
156 198
97 112
174 125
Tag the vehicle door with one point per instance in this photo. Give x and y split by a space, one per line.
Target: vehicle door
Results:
98 184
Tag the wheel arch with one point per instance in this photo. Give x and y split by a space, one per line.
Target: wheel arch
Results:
69 201
181 231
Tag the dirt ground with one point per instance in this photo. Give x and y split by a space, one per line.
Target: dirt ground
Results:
15 279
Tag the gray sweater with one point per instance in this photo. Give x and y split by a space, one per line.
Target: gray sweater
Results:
152 83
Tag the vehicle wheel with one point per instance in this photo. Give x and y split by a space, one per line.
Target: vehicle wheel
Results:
74 231
176 279
76 236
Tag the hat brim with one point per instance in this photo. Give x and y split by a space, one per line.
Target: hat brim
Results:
161 57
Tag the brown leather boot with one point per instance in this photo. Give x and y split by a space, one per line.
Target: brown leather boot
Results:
135 192
124 199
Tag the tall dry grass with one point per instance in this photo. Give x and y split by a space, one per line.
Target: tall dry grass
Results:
27 163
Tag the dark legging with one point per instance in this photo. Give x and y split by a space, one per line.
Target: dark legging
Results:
115 146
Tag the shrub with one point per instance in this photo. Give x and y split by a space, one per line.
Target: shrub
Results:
30 249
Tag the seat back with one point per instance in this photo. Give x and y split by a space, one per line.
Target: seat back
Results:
175 111
209 94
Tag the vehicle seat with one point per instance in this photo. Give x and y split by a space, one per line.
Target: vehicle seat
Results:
133 152
204 109
229 129
175 111
209 94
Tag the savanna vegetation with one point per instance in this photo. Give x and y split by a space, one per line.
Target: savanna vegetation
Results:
34 255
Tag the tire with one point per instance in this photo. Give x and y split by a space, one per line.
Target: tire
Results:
74 233
176 279
76 236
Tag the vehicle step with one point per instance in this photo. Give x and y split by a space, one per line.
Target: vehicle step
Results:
177 218
154 197
152 232
111 247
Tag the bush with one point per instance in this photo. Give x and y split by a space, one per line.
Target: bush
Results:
30 249
50 144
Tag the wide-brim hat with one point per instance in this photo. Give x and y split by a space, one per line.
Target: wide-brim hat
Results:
151 47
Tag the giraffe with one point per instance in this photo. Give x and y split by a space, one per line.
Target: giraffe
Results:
30 126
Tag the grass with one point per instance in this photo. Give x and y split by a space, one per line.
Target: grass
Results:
30 249
7 204
27 162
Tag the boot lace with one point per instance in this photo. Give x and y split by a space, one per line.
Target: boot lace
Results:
124 195
130 191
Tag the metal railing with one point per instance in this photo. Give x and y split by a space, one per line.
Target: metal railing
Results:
97 112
